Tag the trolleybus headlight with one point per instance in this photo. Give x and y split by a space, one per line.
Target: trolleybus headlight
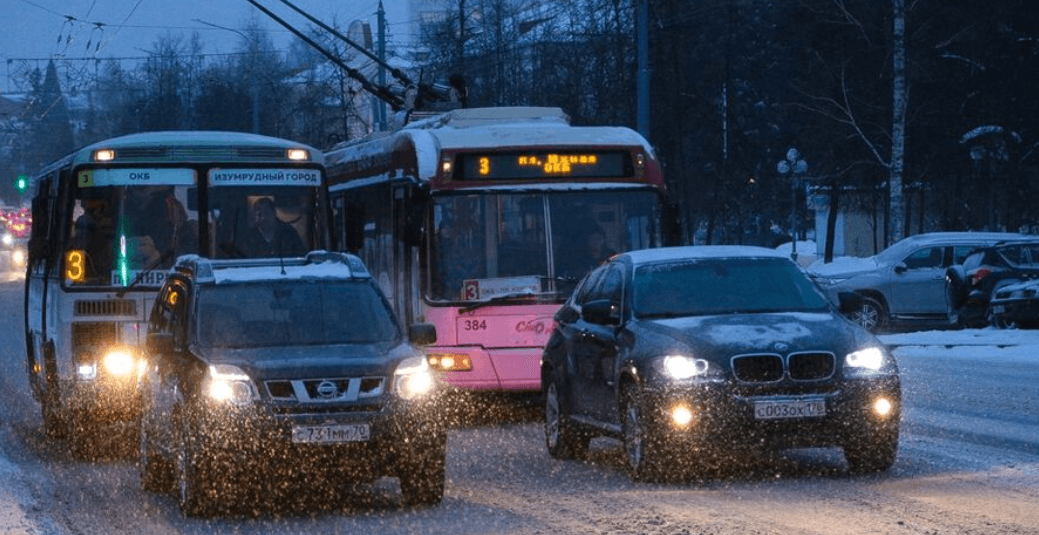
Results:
18 258
229 384
8 238
413 378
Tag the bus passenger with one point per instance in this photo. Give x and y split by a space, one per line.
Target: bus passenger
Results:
270 236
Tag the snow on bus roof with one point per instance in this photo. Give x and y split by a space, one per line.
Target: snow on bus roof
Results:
196 138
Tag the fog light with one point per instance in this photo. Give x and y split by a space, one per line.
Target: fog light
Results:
681 416
882 406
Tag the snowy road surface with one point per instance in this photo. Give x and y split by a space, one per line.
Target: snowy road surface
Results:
968 464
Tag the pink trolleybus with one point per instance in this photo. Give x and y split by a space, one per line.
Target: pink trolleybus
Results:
481 221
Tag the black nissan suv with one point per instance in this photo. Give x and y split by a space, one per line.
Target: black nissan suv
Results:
258 368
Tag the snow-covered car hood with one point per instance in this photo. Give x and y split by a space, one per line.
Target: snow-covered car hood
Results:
845 266
315 361
718 337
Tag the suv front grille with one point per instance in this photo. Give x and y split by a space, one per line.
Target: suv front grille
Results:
758 368
769 368
332 390
811 366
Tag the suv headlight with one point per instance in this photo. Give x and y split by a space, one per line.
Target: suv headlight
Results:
229 384
870 358
413 378
684 366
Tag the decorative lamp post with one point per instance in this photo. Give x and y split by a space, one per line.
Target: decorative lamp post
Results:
794 166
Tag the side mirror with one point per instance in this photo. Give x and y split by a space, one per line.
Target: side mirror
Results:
601 312
422 334
159 343
566 314
901 268
850 302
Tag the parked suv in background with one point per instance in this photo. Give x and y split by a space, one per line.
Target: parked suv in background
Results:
972 285
264 369
906 281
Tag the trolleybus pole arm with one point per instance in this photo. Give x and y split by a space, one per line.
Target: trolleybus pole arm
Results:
393 100
397 73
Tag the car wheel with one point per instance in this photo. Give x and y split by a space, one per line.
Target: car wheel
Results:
872 451
563 441
643 448
422 480
156 471
194 486
1000 321
871 315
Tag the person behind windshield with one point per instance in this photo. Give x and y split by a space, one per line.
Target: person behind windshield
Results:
270 236
94 233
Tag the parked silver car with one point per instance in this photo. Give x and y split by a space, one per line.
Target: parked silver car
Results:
906 281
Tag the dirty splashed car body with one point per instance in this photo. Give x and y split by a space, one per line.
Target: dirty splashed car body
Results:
260 369
688 353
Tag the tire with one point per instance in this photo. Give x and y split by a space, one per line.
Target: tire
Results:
999 321
422 480
562 440
195 489
872 315
872 451
157 473
644 448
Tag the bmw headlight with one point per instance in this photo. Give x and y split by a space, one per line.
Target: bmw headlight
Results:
229 384
684 367
870 358
413 378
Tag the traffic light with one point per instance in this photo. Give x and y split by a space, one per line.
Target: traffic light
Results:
21 183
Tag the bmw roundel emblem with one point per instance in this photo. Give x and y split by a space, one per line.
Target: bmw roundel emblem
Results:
326 389
781 346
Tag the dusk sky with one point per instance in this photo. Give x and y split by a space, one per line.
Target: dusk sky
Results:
38 29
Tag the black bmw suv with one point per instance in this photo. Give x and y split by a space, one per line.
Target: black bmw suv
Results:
265 367
687 353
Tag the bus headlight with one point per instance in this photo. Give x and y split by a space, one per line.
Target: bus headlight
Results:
229 384
119 362
413 378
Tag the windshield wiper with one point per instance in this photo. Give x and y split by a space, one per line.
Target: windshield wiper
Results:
140 275
505 297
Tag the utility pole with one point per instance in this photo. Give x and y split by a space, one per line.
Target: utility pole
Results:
642 43
380 106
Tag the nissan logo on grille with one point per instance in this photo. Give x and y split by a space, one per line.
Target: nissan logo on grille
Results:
326 389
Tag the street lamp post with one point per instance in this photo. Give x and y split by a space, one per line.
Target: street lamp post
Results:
796 167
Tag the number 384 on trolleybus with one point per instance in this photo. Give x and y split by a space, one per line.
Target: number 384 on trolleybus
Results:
109 221
481 221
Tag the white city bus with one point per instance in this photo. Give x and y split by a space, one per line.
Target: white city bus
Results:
108 222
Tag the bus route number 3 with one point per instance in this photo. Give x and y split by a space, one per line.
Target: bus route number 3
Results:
474 325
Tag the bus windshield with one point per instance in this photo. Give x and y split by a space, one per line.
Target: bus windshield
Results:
123 234
485 246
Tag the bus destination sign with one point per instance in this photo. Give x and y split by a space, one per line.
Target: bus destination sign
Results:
543 165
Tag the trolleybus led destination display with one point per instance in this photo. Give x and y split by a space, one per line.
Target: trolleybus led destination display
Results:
543 164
